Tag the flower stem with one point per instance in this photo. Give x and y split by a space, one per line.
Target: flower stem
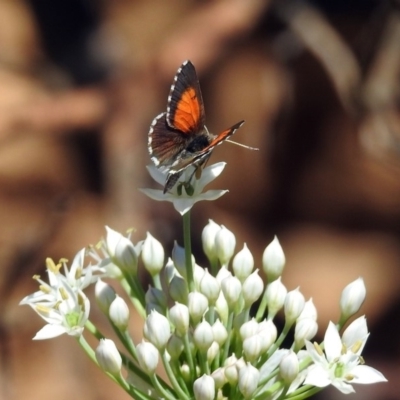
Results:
188 251
179 392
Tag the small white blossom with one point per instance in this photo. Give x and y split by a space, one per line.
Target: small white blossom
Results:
183 201
340 365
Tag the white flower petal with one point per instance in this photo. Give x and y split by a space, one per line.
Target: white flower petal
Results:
333 343
49 332
211 172
364 374
318 376
157 174
343 386
155 194
355 332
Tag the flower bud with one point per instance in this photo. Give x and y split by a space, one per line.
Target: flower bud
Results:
294 304
273 260
147 356
306 329
248 380
204 388
219 377
222 274
108 357
222 308
220 333
119 313
185 372
232 289
352 297
175 346
208 240
157 330
178 289
155 300
276 295
179 316
152 255
309 311
243 264
289 367
248 329
225 243
212 352
198 305
210 287
179 259
203 336
104 294
268 333
232 374
252 347
121 251
252 288
198 275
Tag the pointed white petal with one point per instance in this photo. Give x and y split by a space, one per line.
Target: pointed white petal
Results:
49 332
364 374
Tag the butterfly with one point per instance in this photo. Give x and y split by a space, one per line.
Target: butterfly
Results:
178 137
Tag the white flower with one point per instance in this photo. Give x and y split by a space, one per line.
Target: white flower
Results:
178 195
341 364
61 303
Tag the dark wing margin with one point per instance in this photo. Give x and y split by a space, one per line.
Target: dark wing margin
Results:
164 143
185 110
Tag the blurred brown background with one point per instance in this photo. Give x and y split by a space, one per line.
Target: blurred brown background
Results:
318 86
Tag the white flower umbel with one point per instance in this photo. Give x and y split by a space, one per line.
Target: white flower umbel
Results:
217 341
178 195
340 364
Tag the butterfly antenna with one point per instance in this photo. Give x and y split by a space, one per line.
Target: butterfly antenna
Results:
242 145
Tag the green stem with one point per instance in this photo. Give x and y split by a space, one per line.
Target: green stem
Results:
139 306
157 281
262 307
189 356
179 392
188 251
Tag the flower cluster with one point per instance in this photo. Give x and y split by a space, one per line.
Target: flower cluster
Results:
206 337
212 329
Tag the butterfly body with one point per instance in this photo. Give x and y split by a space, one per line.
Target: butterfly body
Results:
179 138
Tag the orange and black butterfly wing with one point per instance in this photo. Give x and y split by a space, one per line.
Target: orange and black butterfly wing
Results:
185 111
171 132
164 143
218 139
